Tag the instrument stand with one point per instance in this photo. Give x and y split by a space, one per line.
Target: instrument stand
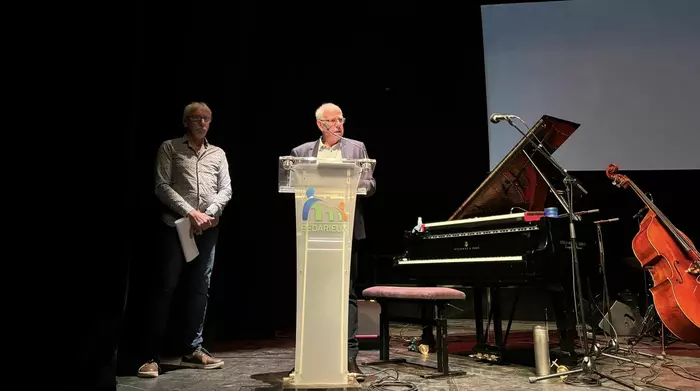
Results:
587 371
588 366
649 326
614 347
606 292
612 343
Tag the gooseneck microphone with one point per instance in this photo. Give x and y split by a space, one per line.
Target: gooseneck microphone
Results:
366 174
337 134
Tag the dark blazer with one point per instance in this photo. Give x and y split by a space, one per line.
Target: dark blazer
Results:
350 149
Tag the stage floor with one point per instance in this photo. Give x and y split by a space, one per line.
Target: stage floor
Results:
260 365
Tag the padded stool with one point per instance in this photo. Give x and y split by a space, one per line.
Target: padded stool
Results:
435 296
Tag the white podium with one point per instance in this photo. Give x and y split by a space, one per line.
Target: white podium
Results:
325 194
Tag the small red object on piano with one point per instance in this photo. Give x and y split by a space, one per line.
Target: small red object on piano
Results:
533 216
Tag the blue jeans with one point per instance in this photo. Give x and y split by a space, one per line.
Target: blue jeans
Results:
192 278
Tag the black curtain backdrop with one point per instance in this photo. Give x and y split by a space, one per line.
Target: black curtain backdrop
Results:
410 80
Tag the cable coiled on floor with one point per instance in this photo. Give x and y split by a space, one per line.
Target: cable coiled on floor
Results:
391 383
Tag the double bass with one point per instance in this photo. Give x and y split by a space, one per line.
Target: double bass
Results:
673 263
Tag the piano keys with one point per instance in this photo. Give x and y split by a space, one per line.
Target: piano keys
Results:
499 237
495 249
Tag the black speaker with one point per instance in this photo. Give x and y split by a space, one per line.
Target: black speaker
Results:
626 319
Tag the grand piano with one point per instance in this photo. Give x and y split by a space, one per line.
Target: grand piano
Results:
500 238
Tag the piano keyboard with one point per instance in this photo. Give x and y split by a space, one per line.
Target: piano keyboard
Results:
515 258
481 233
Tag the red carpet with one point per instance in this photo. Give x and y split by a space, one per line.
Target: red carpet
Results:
464 343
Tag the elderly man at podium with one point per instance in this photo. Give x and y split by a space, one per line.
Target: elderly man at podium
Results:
331 146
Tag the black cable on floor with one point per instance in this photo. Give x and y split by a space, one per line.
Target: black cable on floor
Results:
391 383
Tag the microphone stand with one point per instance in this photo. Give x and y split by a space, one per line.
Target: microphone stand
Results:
603 271
612 343
538 146
588 368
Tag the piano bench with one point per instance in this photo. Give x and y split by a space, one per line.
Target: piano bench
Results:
436 296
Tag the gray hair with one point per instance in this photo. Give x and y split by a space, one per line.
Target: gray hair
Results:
321 111
190 108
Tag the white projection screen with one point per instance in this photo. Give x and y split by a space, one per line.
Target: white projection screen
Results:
628 71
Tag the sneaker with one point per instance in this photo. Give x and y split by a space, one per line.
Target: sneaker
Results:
201 359
149 369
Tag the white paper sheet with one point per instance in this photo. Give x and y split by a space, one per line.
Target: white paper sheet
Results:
189 247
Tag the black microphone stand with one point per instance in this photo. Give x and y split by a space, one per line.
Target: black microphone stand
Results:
539 147
607 316
603 270
588 368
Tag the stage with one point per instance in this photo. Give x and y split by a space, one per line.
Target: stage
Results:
260 365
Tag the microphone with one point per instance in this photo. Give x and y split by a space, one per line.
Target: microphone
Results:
365 174
337 134
583 212
607 221
496 117
640 213
537 143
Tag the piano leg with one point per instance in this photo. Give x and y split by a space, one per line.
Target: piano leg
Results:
483 350
497 323
512 314
495 352
563 305
479 316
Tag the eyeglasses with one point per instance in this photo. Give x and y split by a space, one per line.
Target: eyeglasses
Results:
197 118
336 120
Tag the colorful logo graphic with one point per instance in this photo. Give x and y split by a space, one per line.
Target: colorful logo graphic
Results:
321 211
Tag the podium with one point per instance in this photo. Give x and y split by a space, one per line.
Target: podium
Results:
325 194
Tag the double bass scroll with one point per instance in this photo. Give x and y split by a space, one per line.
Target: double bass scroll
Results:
673 262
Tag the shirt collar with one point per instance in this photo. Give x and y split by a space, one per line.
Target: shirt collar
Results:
186 140
322 146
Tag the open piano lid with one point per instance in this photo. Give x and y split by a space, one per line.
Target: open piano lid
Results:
515 183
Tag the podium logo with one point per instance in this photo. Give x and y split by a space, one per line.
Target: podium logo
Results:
320 215
320 210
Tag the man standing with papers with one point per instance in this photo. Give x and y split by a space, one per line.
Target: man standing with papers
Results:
193 183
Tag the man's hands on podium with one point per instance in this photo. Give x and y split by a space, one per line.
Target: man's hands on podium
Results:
200 221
